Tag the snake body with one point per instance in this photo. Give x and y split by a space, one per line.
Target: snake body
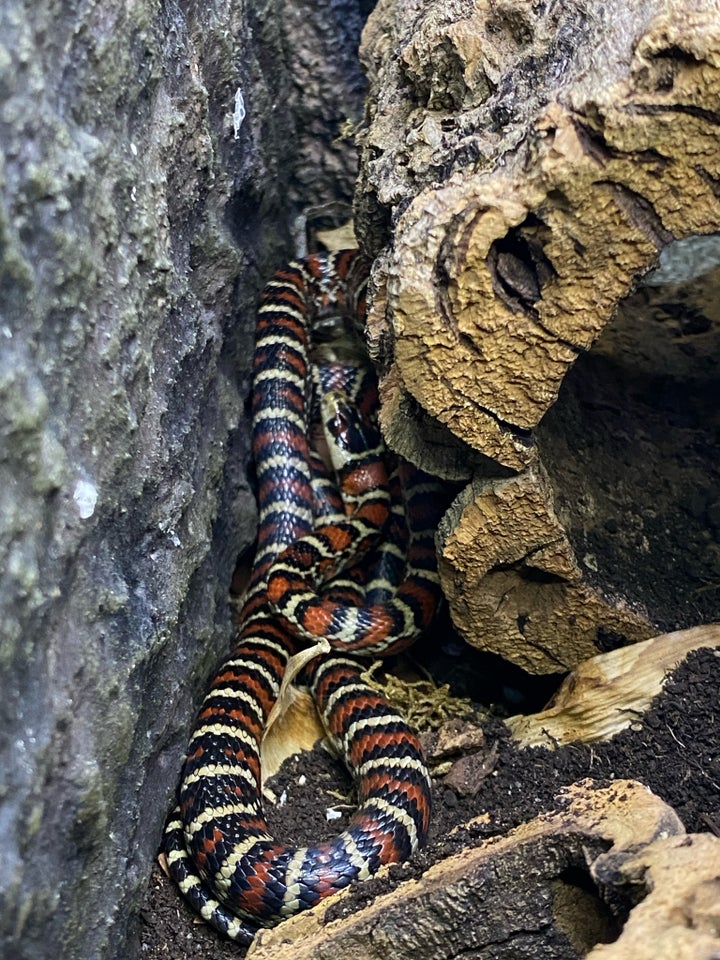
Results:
217 843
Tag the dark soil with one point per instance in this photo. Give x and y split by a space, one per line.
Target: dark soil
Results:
672 749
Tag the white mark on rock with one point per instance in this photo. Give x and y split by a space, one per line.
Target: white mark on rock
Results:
85 496
685 259
133 149
238 113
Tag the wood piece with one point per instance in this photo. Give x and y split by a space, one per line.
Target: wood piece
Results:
491 287
513 583
520 171
680 919
299 727
531 891
609 692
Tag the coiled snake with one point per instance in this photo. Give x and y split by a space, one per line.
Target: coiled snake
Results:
352 571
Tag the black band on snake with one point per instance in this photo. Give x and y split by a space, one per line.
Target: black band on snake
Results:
356 566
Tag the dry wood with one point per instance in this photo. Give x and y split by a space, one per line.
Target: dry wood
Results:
525 890
680 919
609 692
297 728
521 170
513 582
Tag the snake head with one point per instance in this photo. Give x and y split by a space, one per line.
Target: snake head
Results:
351 436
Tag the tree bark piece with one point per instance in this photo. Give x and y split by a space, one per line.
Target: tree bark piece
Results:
513 582
680 919
534 891
520 172
609 692
490 289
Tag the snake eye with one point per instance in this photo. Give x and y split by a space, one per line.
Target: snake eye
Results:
341 424
344 430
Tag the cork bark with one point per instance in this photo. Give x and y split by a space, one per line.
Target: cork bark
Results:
561 885
522 171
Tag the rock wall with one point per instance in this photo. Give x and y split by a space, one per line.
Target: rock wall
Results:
152 159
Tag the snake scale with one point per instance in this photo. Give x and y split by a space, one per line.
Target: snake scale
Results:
355 566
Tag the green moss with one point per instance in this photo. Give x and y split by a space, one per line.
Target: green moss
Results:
26 431
16 274
424 704
90 825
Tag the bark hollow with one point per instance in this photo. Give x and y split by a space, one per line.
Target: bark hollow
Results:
522 171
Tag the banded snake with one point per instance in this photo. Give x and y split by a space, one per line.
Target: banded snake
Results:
352 571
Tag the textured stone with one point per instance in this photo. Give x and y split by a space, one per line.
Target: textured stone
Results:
140 212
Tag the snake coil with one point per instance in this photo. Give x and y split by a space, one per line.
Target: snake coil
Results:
351 570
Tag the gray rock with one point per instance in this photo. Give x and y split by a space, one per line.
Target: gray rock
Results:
140 213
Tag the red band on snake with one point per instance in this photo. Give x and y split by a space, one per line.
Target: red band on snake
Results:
377 597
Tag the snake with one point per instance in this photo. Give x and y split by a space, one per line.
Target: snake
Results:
344 554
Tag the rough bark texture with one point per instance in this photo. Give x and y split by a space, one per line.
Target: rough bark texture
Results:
607 693
555 887
522 167
139 215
